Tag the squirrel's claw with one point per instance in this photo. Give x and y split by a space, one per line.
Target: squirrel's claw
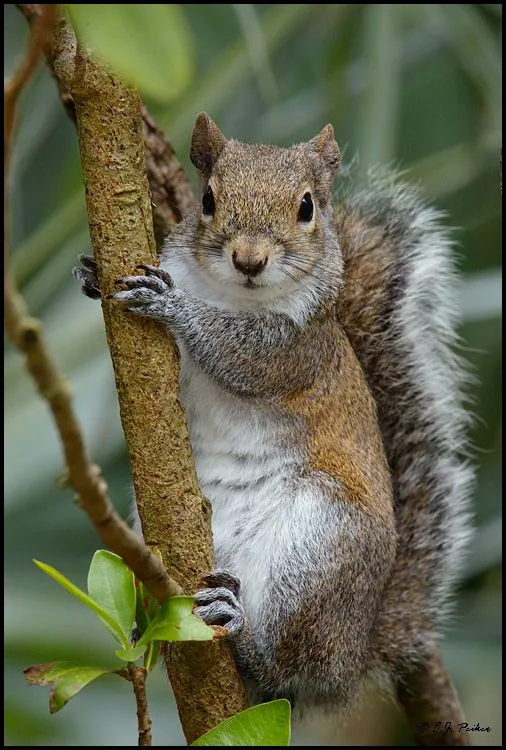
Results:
155 279
222 578
86 274
219 604
142 282
158 272
87 260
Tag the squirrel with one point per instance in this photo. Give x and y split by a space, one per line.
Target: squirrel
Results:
324 407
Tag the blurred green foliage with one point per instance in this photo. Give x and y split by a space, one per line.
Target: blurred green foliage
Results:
150 46
417 86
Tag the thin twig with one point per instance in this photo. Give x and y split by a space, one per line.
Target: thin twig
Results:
12 89
26 334
137 676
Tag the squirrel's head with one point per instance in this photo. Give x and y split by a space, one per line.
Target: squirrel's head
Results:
266 211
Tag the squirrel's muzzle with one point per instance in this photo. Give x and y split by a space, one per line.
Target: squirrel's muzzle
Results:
248 267
249 258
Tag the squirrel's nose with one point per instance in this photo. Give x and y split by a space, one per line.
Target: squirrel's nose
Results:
247 267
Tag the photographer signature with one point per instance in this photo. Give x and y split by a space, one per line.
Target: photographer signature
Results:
437 727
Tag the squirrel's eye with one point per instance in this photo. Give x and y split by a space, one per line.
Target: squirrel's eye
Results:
208 205
306 208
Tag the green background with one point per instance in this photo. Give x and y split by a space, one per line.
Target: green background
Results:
415 86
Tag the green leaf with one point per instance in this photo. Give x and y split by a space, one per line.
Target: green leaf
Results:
111 584
149 46
152 655
131 654
260 726
66 677
175 621
114 627
146 608
141 616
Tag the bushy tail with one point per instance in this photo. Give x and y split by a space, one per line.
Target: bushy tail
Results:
398 310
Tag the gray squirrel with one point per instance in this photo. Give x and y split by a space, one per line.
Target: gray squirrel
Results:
324 407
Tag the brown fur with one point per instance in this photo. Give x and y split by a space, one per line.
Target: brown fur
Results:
343 439
369 256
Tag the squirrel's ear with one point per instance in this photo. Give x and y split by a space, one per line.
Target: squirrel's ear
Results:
207 144
325 145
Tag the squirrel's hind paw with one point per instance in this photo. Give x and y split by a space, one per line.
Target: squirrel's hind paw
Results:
219 605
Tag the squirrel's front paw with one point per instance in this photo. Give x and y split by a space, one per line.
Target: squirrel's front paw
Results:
147 295
218 604
86 274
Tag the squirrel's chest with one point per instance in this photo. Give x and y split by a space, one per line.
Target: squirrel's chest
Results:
243 457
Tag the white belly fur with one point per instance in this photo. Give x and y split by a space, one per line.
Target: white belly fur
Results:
244 473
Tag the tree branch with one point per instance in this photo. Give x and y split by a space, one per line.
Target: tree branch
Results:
137 676
174 515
